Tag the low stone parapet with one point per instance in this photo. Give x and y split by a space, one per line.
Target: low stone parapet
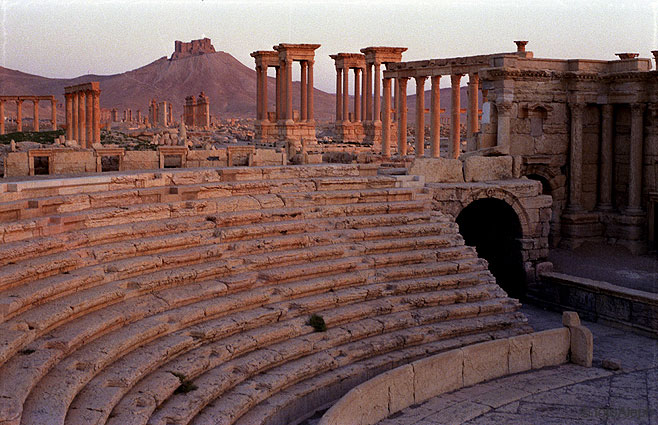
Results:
599 300
416 382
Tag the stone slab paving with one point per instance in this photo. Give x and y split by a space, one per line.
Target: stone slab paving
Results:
566 394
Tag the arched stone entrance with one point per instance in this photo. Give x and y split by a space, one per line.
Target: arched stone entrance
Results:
494 229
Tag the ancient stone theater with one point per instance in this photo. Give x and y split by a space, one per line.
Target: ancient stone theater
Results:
266 294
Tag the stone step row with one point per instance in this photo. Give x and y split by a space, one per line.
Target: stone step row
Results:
225 393
39 207
31 189
73 259
89 291
303 399
101 393
66 222
322 240
86 329
130 232
68 377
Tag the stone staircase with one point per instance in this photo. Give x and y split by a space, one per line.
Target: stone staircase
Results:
185 296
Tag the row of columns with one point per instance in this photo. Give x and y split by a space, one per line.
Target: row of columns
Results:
284 110
634 206
367 99
435 114
35 114
83 116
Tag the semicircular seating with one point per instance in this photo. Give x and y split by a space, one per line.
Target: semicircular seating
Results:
184 296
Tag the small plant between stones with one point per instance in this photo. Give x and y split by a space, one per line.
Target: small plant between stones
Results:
185 384
317 322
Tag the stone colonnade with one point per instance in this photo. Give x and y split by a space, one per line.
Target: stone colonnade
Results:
422 71
283 126
606 163
83 113
372 87
35 111
350 128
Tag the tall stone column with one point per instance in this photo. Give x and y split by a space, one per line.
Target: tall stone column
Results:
2 117
263 96
420 116
304 90
607 154
576 158
455 115
357 97
377 106
504 110
19 116
339 94
279 83
53 113
435 106
368 93
35 115
402 115
473 92
635 160
76 110
68 108
89 126
309 99
259 93
97 116
386 120
288 91
82 120
364 94
346 95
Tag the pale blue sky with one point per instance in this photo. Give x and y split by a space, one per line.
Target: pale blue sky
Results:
68 38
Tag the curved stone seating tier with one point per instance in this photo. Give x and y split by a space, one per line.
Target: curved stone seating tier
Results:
194 307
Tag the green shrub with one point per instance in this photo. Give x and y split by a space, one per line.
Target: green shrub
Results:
317 322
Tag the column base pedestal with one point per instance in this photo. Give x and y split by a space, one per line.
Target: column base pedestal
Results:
626 230
347 131
578 227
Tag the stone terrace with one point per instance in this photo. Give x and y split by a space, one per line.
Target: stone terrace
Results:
184 296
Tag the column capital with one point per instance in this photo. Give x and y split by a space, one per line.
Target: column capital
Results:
577 107
638 107
503 106
420 78
403 79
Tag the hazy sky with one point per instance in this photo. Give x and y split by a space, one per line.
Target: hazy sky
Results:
68 38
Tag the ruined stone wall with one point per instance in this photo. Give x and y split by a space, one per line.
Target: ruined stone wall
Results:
193 48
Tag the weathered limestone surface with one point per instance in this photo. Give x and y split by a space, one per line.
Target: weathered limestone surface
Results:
438 170
487 168
185 295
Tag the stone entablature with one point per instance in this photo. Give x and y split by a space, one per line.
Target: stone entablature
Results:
83 113
35 111
282 126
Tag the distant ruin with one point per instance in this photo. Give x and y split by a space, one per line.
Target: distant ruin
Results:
19 111
193 48
196 112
